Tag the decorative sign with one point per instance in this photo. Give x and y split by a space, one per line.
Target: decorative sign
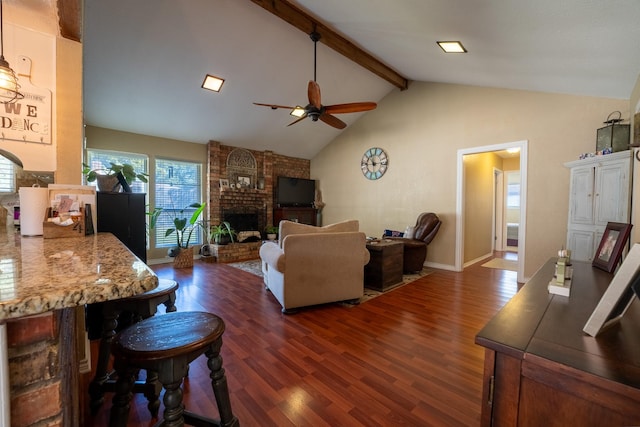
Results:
28 119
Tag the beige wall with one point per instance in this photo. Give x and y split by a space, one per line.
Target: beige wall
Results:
108 139
69 112
422 129
478 218
634 107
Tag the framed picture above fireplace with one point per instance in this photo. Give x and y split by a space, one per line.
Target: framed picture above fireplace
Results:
244 182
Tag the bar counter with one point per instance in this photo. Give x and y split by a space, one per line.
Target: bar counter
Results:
39 275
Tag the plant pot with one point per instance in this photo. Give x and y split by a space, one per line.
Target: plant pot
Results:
184 258
108 183
222 240
271 236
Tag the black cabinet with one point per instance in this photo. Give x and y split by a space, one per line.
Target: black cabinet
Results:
123 214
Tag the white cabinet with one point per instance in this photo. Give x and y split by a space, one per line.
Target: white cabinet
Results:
600 192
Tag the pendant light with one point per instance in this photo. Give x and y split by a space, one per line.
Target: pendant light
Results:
9 87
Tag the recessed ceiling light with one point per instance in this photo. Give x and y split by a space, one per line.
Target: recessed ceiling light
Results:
452 47
513 150
212 83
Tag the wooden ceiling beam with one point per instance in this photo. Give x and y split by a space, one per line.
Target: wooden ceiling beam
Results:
306 23
69 19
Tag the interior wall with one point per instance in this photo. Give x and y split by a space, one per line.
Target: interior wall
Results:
69 129
634 107
478 206
423 127
153 147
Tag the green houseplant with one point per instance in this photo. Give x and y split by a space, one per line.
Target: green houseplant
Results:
183 228
107 177
272 232
222 233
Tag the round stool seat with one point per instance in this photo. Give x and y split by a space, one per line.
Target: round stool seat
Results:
167 336
165 287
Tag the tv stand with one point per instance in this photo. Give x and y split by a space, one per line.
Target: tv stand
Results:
296 214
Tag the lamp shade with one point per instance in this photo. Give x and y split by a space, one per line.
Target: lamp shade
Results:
9 86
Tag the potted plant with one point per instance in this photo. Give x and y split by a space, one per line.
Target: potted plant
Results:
272 232
183 228
107 180
222 233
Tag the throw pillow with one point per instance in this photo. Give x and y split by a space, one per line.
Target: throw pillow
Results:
392 233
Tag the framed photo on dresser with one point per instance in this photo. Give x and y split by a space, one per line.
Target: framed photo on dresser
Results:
612 244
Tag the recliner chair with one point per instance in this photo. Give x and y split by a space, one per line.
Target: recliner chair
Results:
415 248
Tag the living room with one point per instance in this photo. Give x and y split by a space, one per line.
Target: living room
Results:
420 123
423 129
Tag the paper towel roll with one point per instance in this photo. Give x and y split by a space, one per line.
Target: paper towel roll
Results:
33 205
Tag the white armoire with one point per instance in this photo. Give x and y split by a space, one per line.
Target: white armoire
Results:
600 192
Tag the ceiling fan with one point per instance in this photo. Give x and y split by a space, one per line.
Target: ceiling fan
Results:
315 109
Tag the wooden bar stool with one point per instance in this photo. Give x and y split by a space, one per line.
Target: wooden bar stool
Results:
141 307
166 345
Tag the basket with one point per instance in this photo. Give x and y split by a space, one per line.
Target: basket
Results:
184 259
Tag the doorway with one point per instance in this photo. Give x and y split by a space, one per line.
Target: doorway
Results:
461 196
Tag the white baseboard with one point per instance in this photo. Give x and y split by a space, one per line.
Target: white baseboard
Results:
448 267
480 258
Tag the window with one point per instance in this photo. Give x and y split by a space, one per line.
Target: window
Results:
513 189
7 176
100 159
178 184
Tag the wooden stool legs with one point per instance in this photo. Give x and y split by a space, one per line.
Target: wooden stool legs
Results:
140 307
166 345
219 384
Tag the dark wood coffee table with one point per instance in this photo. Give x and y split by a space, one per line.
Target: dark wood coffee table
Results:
385 264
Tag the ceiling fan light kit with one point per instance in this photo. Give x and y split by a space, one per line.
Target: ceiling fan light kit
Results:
314 109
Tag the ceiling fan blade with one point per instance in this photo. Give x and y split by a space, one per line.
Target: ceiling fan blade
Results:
274 106
298 120
353 107
314 94
332 121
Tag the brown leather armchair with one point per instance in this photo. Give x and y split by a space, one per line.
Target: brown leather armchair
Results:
415 248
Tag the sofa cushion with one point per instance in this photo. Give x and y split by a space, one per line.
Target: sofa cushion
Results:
290 227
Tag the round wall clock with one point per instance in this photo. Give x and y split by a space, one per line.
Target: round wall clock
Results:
374 163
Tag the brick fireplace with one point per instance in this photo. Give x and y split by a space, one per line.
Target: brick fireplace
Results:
251 203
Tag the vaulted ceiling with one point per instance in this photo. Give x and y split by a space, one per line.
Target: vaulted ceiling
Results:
145 60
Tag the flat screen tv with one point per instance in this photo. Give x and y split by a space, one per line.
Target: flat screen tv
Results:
295 192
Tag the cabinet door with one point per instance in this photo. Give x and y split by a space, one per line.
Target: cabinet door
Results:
581 243
612 193
581 200
123 214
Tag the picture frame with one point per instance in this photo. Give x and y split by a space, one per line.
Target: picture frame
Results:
244 181
618 296
224 183
611 246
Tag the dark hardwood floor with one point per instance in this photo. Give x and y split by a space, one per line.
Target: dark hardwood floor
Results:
406 358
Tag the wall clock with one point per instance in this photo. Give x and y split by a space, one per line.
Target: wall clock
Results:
374 163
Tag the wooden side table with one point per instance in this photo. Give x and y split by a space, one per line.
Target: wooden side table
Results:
385 264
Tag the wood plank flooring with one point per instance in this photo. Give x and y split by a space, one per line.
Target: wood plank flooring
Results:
406 358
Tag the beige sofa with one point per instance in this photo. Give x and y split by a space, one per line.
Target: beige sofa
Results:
315 265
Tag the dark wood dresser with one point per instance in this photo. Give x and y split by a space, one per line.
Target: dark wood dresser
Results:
541 369
296 214
385 264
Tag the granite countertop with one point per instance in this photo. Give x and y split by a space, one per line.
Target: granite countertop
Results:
39 275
